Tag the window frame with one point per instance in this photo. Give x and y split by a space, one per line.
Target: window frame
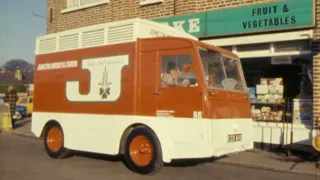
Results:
241 75
149 2
239 68
160 70
89 5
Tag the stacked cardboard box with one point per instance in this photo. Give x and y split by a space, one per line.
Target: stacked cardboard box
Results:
266 113
269 91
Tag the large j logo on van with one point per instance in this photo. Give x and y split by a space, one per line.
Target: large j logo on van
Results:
105 79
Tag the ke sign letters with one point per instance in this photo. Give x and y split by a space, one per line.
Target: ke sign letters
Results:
191 23
273 16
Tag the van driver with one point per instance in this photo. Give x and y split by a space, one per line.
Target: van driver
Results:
171 77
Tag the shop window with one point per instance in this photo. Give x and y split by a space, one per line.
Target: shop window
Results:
173 74
291 46
255 47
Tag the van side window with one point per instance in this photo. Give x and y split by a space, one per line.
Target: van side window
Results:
177 71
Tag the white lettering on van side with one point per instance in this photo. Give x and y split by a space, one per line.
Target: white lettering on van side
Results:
105 79
197 114
57 65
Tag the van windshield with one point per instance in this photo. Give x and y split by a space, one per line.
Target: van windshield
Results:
221 71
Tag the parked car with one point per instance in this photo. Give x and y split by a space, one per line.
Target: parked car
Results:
24 107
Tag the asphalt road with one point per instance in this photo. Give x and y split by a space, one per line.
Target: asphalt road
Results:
24 158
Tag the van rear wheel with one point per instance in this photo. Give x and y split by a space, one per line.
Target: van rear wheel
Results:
54 142
143 151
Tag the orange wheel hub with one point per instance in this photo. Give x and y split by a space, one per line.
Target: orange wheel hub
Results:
316 142
55 139
141 150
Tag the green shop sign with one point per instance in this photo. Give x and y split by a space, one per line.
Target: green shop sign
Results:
273 16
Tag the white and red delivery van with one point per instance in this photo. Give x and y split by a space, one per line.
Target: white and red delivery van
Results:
139 89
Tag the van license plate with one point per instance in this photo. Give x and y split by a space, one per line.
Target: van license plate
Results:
234 137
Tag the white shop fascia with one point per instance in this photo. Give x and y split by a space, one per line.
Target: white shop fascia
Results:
268 45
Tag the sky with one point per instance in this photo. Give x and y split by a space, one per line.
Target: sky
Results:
19 28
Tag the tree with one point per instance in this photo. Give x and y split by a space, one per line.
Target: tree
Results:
24 66
18 88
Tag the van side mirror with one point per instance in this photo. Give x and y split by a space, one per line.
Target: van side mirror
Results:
187 67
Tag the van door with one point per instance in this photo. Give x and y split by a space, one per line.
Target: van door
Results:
177 92
180 100
229 104
147 83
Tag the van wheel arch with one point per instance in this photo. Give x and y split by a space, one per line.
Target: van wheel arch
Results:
60 153
142 150
126 133
47 124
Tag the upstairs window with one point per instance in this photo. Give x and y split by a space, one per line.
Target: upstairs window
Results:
73 5
147 2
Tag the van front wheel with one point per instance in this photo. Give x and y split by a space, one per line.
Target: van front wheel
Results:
54 142
143 152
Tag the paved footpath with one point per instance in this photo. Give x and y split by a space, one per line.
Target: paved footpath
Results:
25 159
256 158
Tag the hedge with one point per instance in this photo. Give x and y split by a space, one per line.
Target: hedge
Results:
18 88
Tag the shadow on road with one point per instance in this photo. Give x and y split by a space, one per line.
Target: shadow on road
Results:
22 122
97 156
193 162
18 125
174 163
297 157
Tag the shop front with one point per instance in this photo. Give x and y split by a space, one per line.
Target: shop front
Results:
274 41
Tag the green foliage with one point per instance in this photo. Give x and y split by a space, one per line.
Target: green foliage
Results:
18 88
12 64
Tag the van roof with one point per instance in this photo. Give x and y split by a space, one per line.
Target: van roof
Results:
106 34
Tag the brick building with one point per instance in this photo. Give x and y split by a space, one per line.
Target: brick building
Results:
273 38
